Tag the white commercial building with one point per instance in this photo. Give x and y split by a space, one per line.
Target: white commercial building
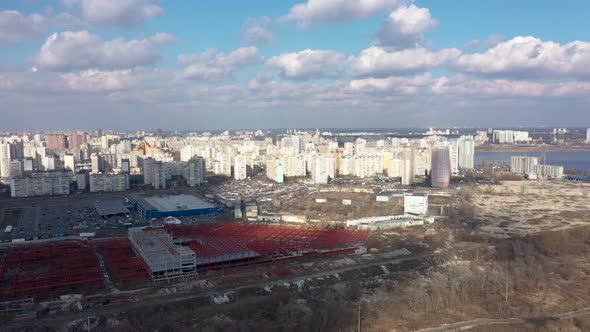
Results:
416 204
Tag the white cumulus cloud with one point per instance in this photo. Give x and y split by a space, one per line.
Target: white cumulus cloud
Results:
503 88
378 61
308 64
400 84
213 65
119 13
258 32
16 27
405 26
529 57
315 12
82 50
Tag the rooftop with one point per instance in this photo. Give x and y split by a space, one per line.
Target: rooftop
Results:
110 208
177 202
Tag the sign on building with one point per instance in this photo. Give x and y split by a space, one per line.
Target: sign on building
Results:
416 204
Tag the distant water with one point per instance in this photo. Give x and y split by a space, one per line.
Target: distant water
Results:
570 160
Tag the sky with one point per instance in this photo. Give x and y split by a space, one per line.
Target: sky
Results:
219 64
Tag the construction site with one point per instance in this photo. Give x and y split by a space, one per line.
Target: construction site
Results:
149 254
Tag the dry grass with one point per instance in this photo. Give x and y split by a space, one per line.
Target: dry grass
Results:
363 205
526 207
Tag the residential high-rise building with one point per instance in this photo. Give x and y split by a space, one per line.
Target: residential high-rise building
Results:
466 153
4 160
49 163
510 136
194 173
324 169
16 168
223 163
395 168
549 171
294 165
240 172
76 141
56 141
125 165
440 174
17 151
294 143
154 173
407 166
108 182
523 165
28 164
41 183
274 170
96 163
69 162
454 155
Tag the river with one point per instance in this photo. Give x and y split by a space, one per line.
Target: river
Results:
570 160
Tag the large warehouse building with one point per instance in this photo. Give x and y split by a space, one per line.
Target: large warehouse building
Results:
158 207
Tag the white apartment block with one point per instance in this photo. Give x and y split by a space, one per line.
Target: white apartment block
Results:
240 169
466 153
549 171
274 170
41 183
324 169
108 182
295 165
154 173
523 165
69 163
510 136
194 173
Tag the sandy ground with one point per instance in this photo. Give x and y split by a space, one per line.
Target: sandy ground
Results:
525 207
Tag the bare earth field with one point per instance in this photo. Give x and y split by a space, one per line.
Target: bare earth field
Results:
363 205
525 207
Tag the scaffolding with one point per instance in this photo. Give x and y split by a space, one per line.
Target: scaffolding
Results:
164 259
122 262
227 242
42 271
174 251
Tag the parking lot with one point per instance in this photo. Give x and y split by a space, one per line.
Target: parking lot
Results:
42 217
37 217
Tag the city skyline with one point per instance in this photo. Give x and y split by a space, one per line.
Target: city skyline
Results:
85 64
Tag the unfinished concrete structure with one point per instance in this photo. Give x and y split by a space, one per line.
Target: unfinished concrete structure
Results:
164 259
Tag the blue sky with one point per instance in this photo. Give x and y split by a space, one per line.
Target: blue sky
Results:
133 64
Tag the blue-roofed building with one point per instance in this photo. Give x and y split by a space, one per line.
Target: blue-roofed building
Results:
159 207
